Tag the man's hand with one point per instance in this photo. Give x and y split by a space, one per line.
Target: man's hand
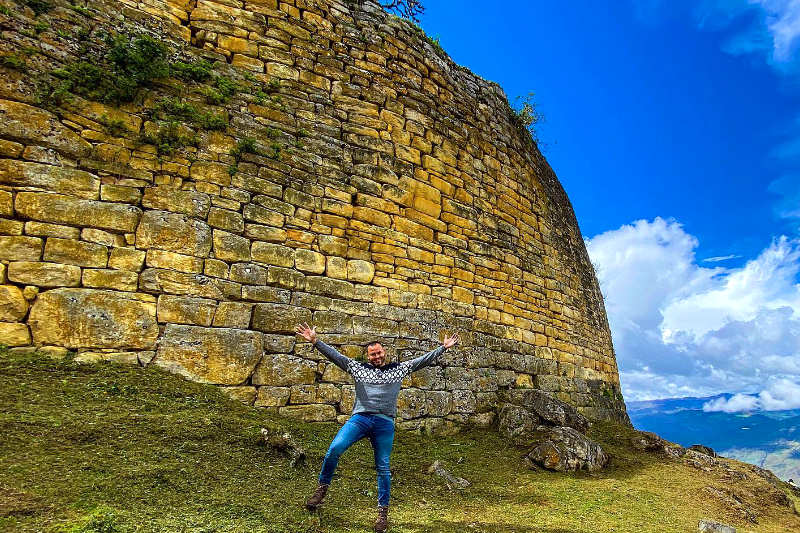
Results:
308 333
449 342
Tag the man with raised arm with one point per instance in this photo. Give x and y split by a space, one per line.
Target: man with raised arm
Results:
377 386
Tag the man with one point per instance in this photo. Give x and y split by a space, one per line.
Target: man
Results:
377 386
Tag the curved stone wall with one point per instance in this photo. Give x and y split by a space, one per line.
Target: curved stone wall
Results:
362 182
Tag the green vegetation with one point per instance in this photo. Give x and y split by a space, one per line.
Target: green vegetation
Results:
175 109
39 6
129 64
114 448
14 61
224 89
199 71
83 10
527 116
40 26
115 128
169 137
5 10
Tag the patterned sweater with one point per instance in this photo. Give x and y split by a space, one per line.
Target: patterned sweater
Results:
377 387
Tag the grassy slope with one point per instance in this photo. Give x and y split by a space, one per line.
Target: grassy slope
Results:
114 448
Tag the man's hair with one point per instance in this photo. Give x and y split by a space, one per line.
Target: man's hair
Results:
373 342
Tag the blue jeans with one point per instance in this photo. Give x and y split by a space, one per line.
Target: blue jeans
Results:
381 435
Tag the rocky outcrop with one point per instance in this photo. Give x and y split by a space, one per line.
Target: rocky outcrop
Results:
282 161
564 449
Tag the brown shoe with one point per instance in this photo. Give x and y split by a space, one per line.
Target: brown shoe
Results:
316 499
382 523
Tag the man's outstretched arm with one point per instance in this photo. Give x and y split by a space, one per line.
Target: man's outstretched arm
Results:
430 357
333 355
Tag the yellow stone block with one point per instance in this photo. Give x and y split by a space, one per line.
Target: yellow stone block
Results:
14 334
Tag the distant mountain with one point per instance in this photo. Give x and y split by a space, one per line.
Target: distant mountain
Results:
770 439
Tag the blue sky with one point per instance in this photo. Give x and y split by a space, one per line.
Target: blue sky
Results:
674 127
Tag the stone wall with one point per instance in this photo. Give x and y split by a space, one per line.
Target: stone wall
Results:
362 182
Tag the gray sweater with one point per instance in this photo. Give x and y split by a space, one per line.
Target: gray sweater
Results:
377 387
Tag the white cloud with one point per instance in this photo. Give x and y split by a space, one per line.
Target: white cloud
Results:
780 395
720 258
682 329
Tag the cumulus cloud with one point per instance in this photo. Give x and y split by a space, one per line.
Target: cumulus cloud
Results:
681 329
780 395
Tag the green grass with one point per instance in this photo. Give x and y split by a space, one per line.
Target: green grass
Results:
111 448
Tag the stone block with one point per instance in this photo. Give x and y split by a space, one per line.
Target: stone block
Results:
260 293
273 254
411 403
32 125
60 209
230 247
79 253
309 261
222 356
119 193
186 310
190 203
336 267
173 232
463 401
14 334
332 322
174 261
6 203
284 370
126 259
322 286
272 396
18 248
225 219
287 278
13 305
248 273
89 318
99 236
438 403
257 232
279 318
120 280
279 343
360 271
211 172
244 393
64 180
11 227
43 229
44 274
157 280
334 374
233 315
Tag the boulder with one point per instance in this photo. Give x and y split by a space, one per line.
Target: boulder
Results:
517 424
705 450
223 356
451 480
710 526
89 318
551 411
564 449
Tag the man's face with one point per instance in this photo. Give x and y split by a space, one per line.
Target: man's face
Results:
376 354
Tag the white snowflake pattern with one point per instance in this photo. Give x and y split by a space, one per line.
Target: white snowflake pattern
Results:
366 374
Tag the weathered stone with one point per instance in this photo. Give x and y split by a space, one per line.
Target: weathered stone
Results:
223 356
35 126
360 271
226 219
43 229
279 343
564 449
411 403
173 232
105 238
231 247
281 370
186 310
309 261
126 259
517 424
62 180
211 172
272 396
60 209
244 393
127 358
157 280
190 203
119 280
249 273
550 410
19 248
13 305
711 526
279 318
273 254
14 334
233 315
44 274
174 261
88 318
70 252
